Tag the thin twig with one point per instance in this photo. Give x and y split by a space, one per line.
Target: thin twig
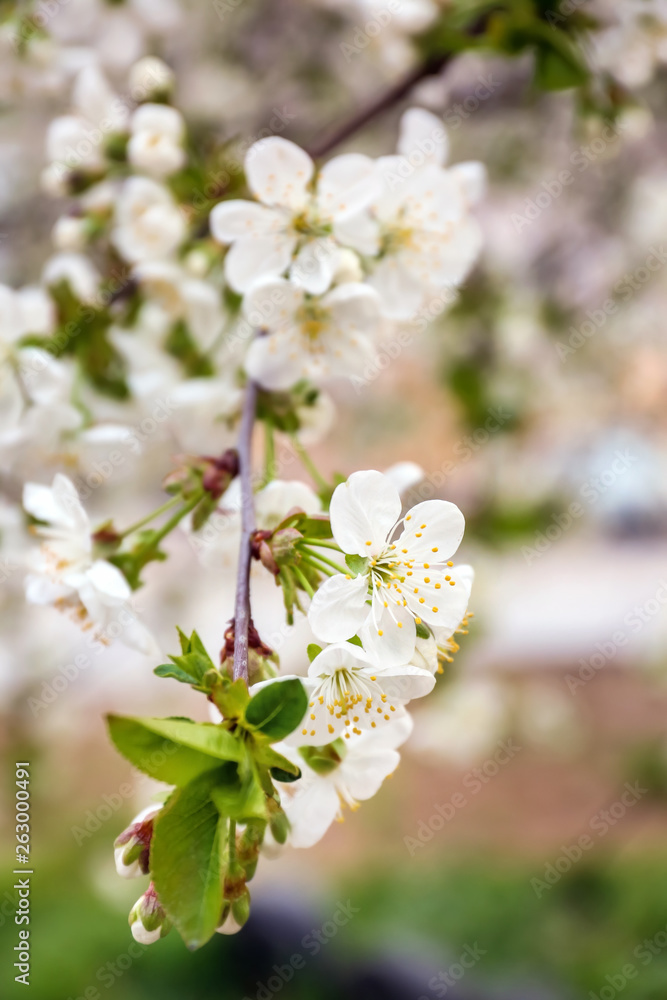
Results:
242 609
392 96
381 104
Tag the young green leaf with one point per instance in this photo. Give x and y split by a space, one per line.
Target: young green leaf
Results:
153 754
186 860
277 709
268 757
313 650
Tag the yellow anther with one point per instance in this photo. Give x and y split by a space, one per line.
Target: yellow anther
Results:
437 586
373 678
369 543
418 534
434 610
435 549
418 621
421 600
330 728
400 624
427 579
380 632
304 732
450 563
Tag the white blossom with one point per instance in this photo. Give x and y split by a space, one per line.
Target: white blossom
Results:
156 141
404 572
309 337
292 228
349 774
66 572
148 223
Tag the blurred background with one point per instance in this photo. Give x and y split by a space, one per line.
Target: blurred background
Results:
519 851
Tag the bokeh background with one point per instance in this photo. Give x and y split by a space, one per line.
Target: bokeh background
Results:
536 402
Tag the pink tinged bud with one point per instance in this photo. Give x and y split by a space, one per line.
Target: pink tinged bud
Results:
132 847
148 921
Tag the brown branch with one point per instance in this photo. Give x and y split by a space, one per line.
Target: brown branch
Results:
390 97
242 608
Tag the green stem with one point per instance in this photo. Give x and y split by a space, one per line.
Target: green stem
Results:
175 518
232 841
304 582
318 544
323 559
309 465
150 517
318 566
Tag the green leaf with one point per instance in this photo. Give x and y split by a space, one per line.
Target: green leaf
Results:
275 761
356 641
277 709
357 565
313 650
171 670
278 774
186 860
160 758
240 796
172 750
556 70
314 526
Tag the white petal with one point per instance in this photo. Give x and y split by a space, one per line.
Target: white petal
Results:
362 782
471 175
272 362
424 136
354 306
433 531
346 185
108 582
271 303
396 644
338 608
439 601
252 258
311 810
314 265
337 656
403 683
361 232
230 220
400 293
278 172
43 590
363 510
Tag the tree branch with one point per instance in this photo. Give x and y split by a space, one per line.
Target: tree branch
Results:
378 106
242 607
392 96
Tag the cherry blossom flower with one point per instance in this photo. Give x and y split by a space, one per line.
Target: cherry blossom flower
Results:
149 224
403 576
420 224
343 774
67 574
131 848
156 142
349 693
308 337
293 227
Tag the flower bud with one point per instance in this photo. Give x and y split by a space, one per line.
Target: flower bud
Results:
219 472
132 847
278 821
283 545
148 921
150 78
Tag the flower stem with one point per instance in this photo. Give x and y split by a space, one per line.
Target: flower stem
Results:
308 464
175 518
323 559
318 566
150 517
242 606
303 581
232 841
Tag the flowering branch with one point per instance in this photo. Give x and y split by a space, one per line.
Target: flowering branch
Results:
242 607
